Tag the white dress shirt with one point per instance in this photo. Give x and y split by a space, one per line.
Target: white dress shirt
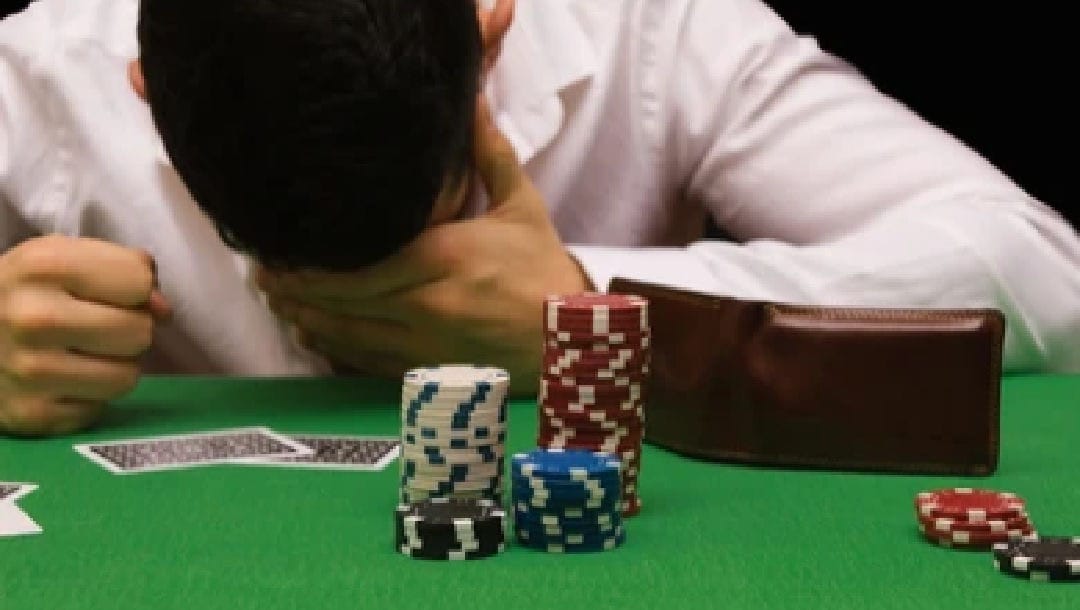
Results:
637 120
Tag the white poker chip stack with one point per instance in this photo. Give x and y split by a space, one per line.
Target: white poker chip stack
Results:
453 432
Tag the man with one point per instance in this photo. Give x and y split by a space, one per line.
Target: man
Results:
323 137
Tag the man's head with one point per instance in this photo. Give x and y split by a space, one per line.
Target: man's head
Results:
315 134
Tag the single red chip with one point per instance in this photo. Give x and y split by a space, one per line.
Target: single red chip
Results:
981 540
947 525
588 301
969 504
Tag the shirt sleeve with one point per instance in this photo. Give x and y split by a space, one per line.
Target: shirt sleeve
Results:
838 194
30 163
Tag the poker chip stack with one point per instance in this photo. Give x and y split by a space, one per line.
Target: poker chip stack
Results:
567 501
453 432
592 388
969 518
450 529
1046 559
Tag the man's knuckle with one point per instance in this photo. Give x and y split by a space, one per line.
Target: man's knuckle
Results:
26 317
26 415
127 377
143 333
28 367
45 257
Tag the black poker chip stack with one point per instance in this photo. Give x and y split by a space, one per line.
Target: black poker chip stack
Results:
1047 558
450 529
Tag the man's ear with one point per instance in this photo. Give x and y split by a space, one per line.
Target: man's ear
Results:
135 77
494 23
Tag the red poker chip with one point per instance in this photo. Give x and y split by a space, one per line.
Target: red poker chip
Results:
618 388
974 540
579 338
631 506
599 351
560 319
596 330
608 368
625 441
552 342
601 379
969 504
622 441
593 416
602 443
627 451
593 430
574 403
570 384
946 526
609 429
578 375
625 358
591 301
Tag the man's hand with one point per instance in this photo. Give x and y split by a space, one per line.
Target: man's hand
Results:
467 291
75 314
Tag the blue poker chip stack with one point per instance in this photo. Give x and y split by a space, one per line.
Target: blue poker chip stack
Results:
453 433
567 500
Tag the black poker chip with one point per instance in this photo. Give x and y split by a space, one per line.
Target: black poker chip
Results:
450 528
1043 558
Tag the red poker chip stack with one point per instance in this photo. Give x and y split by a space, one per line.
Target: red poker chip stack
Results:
963 517
592 387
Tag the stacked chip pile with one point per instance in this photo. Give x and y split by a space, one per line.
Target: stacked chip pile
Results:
450 529
972 518
453 432
567 501
592 387
1046 559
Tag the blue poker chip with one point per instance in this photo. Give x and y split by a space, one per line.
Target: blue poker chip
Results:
570 515
537 530
572 544
565 493
609 504
595 535
596 520
566 464
568 487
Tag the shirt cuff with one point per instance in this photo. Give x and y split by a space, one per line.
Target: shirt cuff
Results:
671 267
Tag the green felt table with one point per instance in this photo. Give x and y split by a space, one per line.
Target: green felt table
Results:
710 535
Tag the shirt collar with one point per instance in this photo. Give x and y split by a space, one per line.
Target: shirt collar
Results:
546 51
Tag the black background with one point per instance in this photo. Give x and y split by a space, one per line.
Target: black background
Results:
995 77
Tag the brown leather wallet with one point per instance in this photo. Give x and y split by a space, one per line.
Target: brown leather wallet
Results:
913 391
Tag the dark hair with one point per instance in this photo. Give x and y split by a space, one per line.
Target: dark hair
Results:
314 133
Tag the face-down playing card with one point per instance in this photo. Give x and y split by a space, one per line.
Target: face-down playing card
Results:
189 450
14 522
336 452
10 492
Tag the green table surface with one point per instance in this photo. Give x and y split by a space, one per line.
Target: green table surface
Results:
710 536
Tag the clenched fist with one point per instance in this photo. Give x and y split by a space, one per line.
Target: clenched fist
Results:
75 315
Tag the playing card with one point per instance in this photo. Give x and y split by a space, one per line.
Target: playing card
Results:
14 522
10 492
337 453
188 450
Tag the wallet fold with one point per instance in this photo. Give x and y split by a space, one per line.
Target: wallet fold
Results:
901 390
